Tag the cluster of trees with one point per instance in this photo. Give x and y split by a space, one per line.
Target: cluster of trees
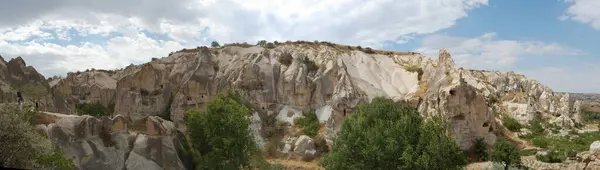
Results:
380 135
94 109
23 146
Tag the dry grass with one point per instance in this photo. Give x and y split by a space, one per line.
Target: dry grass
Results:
422 89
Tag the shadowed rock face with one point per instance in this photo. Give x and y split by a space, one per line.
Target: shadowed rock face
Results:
293 78
115 143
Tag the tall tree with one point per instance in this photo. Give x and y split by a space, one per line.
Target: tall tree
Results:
387 135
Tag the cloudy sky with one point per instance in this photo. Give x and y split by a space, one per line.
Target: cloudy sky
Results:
556 42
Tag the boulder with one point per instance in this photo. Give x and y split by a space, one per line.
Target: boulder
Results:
304 145
595 147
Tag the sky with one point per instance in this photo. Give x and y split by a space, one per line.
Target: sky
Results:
556 42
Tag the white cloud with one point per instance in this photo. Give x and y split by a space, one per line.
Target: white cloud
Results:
484 52
192 23
52 59
584 11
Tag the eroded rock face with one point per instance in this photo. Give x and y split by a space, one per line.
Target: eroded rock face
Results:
91 86
115 143
292 79
15 76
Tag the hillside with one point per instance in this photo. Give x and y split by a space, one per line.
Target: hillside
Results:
288 80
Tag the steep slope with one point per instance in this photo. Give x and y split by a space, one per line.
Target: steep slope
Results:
16 76
290 79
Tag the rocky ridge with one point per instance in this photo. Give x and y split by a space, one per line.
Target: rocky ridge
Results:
290 79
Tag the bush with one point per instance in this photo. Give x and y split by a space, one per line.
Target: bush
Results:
384 135
270 45
22 146
415 69
536 128
552 156
505 153
368 50
310 65
93 109
527 152
511 124
540 141
310 124
285 59
220 136
481 152
215 44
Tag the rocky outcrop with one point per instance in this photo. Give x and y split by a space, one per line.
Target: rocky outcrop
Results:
113 143
292 79
84 87
16 76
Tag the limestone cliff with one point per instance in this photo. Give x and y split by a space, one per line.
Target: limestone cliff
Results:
16 76
291 79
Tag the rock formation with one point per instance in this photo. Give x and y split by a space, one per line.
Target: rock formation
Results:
292 79
16 76
113 143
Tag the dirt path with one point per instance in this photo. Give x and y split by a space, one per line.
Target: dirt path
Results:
297 165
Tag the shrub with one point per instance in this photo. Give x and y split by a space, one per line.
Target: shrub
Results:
309 123
591 116
93 109
481 152
270 45
22 146
262 43
505 153
415 69
527 152
540 141
215 44
384 135
285 59
272 147
511 124
368 50
154 58
310 65
536 128
552 156
220 136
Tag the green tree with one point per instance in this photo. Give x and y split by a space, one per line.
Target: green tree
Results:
511 124
481 152
310 124
505 153
262 43
24 147
220 136
93 109
387 135
215 44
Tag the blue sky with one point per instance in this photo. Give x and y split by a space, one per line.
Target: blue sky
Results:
553 41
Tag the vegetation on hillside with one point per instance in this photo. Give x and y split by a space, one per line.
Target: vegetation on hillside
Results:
505 153
511 124
94 109
24 147
387 135
309 123
220 136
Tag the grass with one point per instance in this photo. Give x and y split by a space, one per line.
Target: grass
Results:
415 69
527 152
511 124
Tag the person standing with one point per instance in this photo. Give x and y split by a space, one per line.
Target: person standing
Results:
19 98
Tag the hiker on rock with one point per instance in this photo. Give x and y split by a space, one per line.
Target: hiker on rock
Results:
19 97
